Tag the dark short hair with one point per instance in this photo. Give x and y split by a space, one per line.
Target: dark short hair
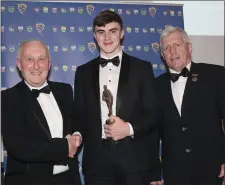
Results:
105 17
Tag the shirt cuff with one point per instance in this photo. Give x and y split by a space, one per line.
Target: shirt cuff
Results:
131 130
78 133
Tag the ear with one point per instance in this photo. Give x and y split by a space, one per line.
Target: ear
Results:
190 48
49 65
18 64
94 35
122 34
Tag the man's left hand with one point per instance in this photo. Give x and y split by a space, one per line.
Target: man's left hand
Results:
156 183
222 173
118 130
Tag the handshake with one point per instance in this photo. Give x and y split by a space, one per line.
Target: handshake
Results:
73 144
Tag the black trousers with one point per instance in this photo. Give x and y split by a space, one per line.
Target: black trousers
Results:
111 171
64 178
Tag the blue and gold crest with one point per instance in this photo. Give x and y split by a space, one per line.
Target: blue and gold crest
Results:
179 13
80 10
54 10
2 28
136 11
40 27
56 67
146 48
82 48
3 48
92 47
172 12
2 8
11 9
144 30
90 9
2 69
11 29
120 11
74 68
63 28
73 47
130 48
12 68
65 68
22 8
12 48
136 30
128 11
155 47
29 29
152 11
138 48
128 29
56 48
143 12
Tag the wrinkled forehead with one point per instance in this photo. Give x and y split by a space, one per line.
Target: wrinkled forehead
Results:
34 48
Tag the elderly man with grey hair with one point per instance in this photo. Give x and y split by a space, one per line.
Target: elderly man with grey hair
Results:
36 126
192 99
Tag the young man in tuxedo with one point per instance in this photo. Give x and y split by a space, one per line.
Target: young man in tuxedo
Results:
125 151
36 124
193 106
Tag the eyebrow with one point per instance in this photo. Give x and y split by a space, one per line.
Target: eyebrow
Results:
109 30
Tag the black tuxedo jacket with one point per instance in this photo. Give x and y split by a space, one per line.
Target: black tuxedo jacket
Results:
32 151
193 144
135 103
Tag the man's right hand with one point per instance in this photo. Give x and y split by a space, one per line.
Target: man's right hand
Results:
73 143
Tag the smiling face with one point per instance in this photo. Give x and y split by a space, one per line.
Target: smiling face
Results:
108 38
176 51
33 63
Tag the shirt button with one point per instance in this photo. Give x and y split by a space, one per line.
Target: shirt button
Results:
184 128
188 150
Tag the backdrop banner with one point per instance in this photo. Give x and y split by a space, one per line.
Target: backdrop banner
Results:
66 28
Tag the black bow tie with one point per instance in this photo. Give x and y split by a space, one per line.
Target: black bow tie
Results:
45 89
115 61
174 76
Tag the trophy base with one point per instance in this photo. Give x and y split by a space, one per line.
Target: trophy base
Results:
109 121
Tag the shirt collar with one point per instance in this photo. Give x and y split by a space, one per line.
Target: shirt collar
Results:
188 67
120 53
31 87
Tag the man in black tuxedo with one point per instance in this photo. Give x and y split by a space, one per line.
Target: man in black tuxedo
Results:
192 99
36 124
126 151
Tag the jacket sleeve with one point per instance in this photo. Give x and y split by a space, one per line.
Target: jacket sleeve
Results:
148 117
17 141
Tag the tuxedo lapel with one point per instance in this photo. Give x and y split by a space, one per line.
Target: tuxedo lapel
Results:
169 94
95 83
123 80
31 102
190 87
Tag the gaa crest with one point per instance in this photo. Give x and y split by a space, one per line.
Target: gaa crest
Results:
90 9
92 47
155 47
40 27
22 8
152 11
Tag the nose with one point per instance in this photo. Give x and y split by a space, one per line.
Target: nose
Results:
107 36
36 64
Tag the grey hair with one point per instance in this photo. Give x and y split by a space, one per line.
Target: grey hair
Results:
23 43
171 29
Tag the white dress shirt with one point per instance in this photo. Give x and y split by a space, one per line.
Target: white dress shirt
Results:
109 75
178 89
54 119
